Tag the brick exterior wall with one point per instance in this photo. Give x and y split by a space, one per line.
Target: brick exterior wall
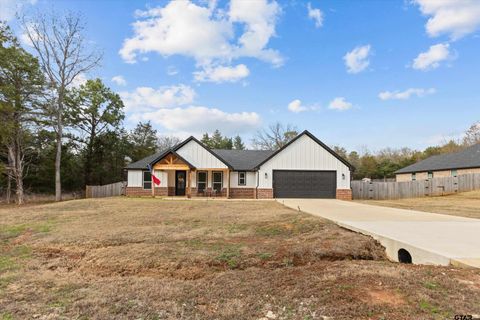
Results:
344 194
242 193
140 192
264 193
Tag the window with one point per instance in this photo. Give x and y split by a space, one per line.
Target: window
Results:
414 176
147 180
218 181
430 175
242 178
202 181
454 173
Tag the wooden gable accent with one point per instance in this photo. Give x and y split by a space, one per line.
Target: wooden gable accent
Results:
171 162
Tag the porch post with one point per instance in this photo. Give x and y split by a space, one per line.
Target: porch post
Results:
189 183
152 183
228 183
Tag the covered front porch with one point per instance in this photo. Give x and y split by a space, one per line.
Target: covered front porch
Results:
179 178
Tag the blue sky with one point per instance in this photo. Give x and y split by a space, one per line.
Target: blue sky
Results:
359 74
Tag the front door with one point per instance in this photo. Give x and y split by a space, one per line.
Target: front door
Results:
180 182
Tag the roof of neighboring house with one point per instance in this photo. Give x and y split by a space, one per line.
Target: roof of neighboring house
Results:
243 160
238 160
468 158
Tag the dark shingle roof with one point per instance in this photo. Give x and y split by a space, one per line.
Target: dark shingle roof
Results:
142 163
243 160
468 158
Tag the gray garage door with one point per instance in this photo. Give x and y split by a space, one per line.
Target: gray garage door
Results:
304 184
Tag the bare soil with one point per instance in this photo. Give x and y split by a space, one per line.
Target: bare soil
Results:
465 204
133 258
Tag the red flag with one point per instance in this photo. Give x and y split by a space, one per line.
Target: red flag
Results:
156 180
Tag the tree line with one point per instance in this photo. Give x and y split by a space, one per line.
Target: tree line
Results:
57 135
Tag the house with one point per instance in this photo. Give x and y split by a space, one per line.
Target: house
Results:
303 168
445 165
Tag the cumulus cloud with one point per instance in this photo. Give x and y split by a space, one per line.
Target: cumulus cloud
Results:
406 94
198 119
146 98
432 58
119 80
456 18
207 34
316 15
172 107
222 73
357 60
8 8
80 79
340 104
296 106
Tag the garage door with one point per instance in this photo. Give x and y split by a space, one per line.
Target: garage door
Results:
304 184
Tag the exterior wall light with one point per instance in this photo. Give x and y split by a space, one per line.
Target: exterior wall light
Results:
343 176
266 175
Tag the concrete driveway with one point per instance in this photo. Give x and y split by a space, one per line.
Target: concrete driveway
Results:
429 238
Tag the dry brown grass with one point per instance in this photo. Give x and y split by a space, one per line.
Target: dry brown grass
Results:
124 258
465 204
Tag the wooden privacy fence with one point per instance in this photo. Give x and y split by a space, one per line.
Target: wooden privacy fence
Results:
108 190
413 189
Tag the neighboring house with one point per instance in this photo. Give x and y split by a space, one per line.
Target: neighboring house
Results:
445 165
304 168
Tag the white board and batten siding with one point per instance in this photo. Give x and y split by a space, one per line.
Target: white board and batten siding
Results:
304 154
135 178
250 183
200 157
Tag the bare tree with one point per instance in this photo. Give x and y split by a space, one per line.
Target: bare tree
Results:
472 135
274 137
167 142
64 56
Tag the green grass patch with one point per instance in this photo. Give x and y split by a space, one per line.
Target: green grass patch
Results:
230 256
7 264
431 285
271 231
264 255
6 316
236 228
427 306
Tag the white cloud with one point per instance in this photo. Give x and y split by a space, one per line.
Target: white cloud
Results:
198 119
8 8
456 18
172 108
340 104
211 36
296 106
171 71
406 94
119 80
432 58
357 60
147 98
79 80
316 15
222 73
205 33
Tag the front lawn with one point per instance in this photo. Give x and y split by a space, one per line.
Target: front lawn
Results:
122 258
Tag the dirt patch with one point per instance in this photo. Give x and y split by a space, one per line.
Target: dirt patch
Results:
154 259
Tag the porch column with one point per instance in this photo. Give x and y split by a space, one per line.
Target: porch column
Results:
228 183
189 183
153 184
